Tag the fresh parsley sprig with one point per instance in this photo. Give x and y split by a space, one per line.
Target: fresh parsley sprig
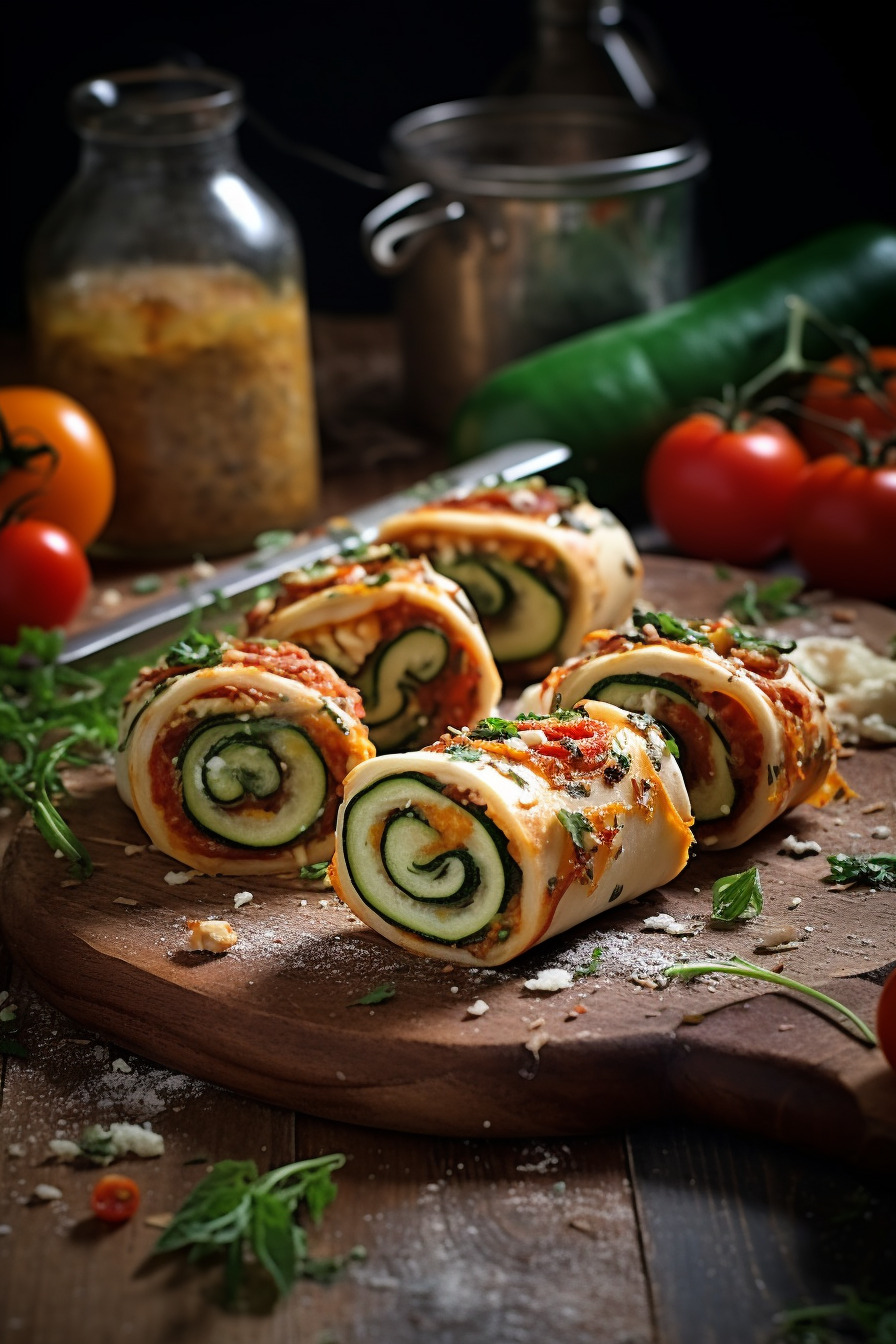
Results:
873 870
234 1211
772 601
738 966
738 896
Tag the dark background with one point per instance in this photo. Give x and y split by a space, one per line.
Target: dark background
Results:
797 105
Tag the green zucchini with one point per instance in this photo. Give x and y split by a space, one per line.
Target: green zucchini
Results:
711 799
388 682
610 393
397 863
521 614
229 769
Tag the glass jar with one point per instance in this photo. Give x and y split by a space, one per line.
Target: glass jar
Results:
167 296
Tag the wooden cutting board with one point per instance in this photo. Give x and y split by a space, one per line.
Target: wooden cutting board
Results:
278 1018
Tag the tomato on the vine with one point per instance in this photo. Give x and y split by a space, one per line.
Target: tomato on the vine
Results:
44 577
842 527
849 388
723 493
115 1199
75 488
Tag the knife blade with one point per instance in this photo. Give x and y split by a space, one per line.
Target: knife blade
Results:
154 621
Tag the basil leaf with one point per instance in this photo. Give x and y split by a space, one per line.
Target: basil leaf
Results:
271 1238
578 826
381 994
738 896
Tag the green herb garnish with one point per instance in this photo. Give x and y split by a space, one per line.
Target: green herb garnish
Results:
858 1316
314 872
738 896
494 729
771 601
578 826
195 649
381 994
462 753
274 540
670 627
738 966
592 966
235 1211
146 583
873 870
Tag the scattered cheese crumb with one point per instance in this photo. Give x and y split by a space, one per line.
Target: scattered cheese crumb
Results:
797 900
110 597
881 833
178 879
47 1192
203 569
211 935
550 980
58 854
5 1229
241 898
65 1149
121 1066
859 686
798 849
667 924
131 850
17 1150
478 1008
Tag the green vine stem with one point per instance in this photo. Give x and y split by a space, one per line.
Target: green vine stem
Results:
738 966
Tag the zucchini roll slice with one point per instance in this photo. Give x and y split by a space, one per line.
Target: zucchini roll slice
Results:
751 734
489 841
234 762
404 635
541 565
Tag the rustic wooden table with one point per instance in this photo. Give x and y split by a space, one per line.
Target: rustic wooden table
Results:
666 1232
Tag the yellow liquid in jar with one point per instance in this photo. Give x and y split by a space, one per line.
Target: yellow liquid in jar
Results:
201 379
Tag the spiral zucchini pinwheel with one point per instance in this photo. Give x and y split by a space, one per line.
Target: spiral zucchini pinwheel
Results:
233 755
541 565
752 735
490 841
403 634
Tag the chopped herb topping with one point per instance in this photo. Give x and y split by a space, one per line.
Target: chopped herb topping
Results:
872 870
462 753
772 601
738 896
381 994
337 718
146 583
592 966
578 826
314 872
615 893
273 540
494 729
669 626
377 580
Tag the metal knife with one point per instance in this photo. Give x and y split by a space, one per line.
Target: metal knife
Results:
154 621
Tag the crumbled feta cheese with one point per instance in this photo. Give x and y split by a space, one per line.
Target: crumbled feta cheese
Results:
111 597
798 849
136 1139
211 935
859 685
881 833
121 1066
550 980
177 879
533 737
17 1150
65 1149
667 924
241 898
792 905
47 1192
203 569
478 1008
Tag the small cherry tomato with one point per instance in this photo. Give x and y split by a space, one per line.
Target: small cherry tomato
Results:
843 524
115 1199
77 492
44 577
848 390
723 493
886 1020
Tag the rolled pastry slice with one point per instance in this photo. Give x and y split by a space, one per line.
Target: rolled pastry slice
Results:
541 565
488 842
404 635
752 735
236 765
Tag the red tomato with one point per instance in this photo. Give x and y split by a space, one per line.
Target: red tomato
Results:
115 1199
842 527
848 398
886 1020
75 494
724 494
44 577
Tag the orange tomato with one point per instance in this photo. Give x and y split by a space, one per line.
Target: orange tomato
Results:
114 1199
77 493
858 394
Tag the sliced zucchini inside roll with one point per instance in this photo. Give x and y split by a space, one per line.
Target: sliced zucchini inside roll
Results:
521 614
390 678
425 862
704 757
257 784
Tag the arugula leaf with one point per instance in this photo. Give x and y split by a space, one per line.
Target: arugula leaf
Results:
314 872
592 966
738 896
578 826
738 966
874 870
234 1210
773 600
381 994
